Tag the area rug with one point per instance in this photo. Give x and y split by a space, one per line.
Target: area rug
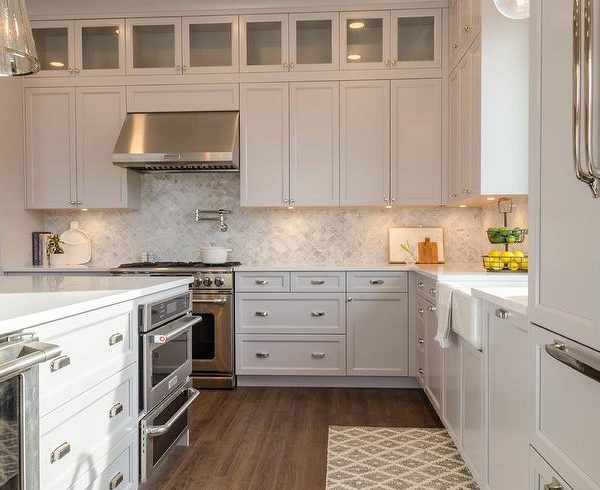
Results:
368 458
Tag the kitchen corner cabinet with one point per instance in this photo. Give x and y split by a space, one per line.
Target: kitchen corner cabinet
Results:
69 138
488 107
289 145
464 27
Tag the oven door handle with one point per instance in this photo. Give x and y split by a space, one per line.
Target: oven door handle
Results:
35 353
158 430
217 301
171 330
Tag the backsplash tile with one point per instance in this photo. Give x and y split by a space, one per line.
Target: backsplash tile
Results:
165 227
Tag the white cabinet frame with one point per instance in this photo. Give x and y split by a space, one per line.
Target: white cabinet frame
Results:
243 31
437 41
176 23
385 34
69 69
335 49
79 25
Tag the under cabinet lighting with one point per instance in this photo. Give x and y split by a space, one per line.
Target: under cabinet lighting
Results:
356 25
389 206
57 64
490 198
462 206
84 209
354 57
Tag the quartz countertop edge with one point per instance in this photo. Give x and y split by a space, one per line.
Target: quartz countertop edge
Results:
508 298
30 301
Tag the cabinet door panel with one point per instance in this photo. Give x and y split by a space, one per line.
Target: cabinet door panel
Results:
100 47
433 371
365 143
50 147
264 144
417 142
473 436
55 46
416 38
210 44
100 115
365 40
154 46
314 41
452 389
314 144
455 131
377 329
263 43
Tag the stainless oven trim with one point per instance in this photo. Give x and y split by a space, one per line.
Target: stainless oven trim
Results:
152 396
212 303
146 445
146 309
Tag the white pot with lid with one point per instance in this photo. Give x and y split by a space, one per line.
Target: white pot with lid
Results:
212 254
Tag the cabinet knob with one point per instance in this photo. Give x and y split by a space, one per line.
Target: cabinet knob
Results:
421 341
261 313
286 201
421 372
261 282
286 66
262 355
317 282
77 70
553 485
115 339
465 191
502 314
184 68
72 203
387 62
115 481
386 199
394 62
70 70
317 313
421 311
291 66
431 308
350 299
318 355
421 285
115 410
178 68
432 291
454 45
467 28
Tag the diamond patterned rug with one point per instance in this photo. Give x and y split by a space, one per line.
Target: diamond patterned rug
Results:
369 458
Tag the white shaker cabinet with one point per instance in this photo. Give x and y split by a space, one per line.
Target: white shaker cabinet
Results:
435 358
70 134
365 143
154 46
264 42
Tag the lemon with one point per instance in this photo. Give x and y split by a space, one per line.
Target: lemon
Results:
495 253
507 257
518 256
497 264
513 266
525 264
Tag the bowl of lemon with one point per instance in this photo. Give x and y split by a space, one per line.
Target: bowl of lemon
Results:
498 261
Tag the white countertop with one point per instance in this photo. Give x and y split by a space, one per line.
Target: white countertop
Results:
62 269
26 301
512 298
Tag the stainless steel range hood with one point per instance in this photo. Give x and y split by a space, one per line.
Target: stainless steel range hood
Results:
179 142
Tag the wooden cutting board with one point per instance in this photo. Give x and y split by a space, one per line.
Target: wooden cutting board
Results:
413 235
428 252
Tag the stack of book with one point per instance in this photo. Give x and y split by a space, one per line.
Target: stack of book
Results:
39 245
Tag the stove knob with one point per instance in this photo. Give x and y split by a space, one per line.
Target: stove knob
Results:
197 282
219 282
207 281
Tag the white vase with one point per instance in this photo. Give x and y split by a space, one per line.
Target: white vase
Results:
59 260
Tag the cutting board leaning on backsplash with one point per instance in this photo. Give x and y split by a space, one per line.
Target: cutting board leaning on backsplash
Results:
414 236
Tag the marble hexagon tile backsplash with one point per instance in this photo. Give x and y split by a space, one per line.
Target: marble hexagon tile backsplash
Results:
165 227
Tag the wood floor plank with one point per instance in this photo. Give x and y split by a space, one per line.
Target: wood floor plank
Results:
276 438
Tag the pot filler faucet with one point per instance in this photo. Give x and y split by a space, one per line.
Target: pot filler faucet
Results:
220 218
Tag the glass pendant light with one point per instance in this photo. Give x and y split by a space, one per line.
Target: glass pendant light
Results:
513 9
17 49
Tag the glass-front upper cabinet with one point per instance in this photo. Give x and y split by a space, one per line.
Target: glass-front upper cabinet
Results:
100 47
264 43
154 46
365 40
210 44
416 39
55 45
314 42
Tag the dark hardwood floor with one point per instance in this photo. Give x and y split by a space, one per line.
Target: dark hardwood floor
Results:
276 438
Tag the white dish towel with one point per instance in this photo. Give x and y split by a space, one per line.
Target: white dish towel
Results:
444 311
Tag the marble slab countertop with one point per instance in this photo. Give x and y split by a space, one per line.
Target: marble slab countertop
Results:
512 298
27 301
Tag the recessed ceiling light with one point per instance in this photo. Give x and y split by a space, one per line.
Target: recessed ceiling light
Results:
57 64
356 24
353 57
462 206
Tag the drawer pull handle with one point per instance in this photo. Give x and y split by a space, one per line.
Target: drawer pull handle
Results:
262 282
115 481
502 314
262 355
553 485
261 313
317 282
60 452
421 285
376 282
421 311
59 363
115 410
421 341
431 308
317 313
318 355
115 339
559 351
432 291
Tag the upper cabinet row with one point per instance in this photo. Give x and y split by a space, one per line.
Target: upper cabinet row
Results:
248 43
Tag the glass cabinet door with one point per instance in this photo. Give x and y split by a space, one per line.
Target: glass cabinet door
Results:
210 44
365 40
100 47
55 43
264 43
314 41
154 46
416 38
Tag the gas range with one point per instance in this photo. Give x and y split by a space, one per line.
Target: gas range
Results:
206 276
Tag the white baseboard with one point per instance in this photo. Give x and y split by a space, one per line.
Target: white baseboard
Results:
330 381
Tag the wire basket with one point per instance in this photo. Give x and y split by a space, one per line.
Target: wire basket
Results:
494 263
500 236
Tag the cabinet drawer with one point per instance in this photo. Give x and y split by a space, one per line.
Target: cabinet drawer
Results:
94 346
182 98
323 355
117 469
262 281
329 282
290 313
427 289
542 474
384 282
87 426
565 425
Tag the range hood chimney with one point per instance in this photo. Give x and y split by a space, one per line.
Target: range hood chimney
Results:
179 142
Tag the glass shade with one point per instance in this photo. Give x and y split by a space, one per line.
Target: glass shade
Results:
17 49
513 9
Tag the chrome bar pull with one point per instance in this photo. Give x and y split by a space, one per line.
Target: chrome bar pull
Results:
115 410
115 339
502 314
262 282
261 313
559 351
318 355
262 355
588 66
317 282
317 313
115 481
60 452
376 282
59 363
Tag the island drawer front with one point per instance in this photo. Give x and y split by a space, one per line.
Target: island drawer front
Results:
565 427
426 288
262 281
94 346
89 425
380 282
117 469
329 282
301 355
323 313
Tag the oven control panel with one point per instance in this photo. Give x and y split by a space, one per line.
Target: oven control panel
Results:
170 308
